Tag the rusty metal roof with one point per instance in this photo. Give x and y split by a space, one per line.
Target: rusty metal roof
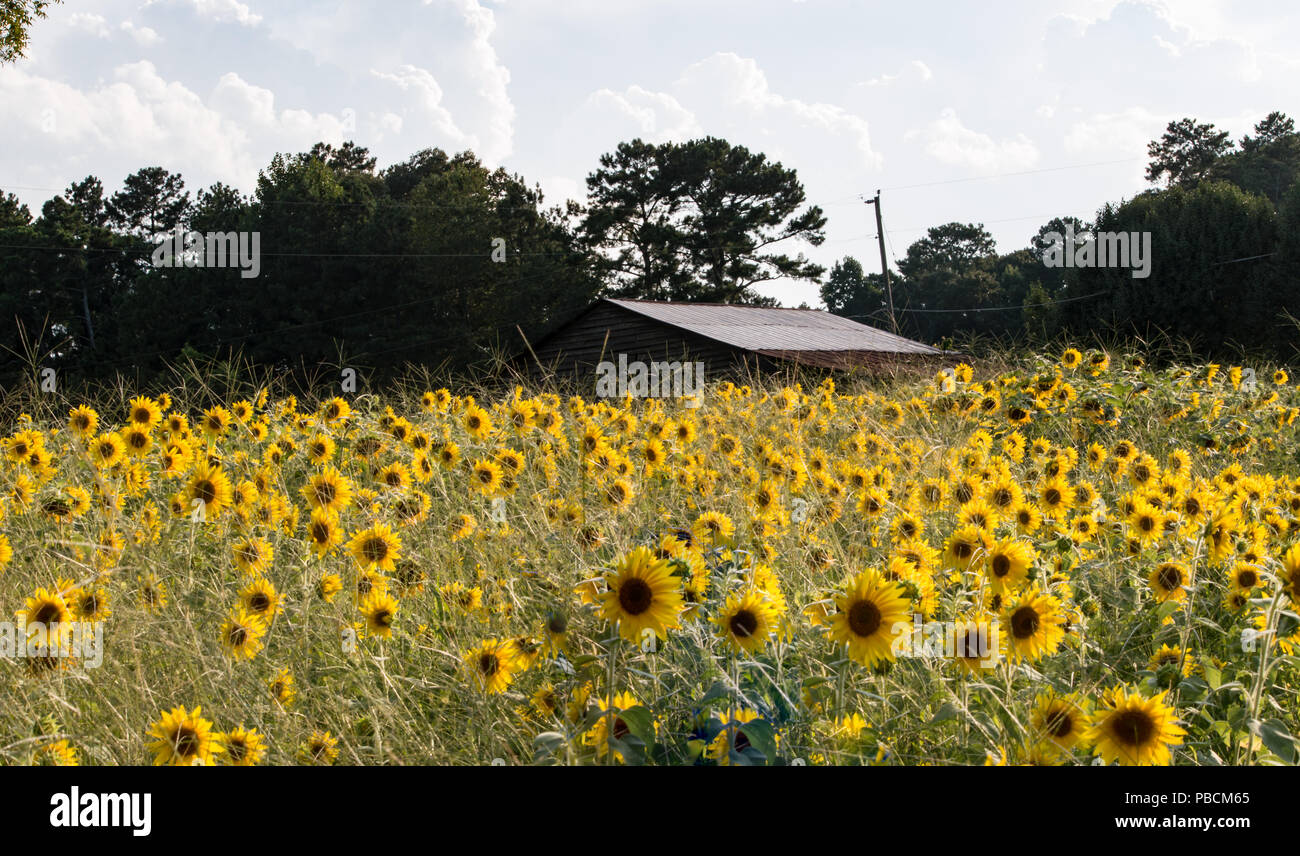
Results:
759 328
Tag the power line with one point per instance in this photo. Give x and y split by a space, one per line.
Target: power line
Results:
1245 259
999 308
1010 174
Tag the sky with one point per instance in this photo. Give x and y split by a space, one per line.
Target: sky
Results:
1006 113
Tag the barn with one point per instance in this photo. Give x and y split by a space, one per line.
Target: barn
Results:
729 340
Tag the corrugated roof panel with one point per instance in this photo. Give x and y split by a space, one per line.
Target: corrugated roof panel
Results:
759 328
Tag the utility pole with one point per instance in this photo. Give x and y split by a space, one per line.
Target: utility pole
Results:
884 262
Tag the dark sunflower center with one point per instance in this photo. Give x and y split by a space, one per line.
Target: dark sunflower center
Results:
864 618
1024 622
1169 578
375 549
1060 724
635 596
1133 728
47 614
187 742
743 623
1247 579
237 750
205 491
488 664
1001 566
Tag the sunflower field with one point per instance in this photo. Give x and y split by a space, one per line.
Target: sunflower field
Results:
1074 559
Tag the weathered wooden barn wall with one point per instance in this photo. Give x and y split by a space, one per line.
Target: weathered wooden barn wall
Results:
606 330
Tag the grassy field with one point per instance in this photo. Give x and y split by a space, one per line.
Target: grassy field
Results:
1074 560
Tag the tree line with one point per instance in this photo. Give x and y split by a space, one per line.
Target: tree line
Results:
436 260
440 261
1224 224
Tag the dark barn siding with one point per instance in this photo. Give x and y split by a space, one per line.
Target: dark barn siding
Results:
606 329
577 347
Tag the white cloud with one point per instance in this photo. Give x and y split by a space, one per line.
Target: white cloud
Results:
659 117
949 141
422 86
915 68
89 23
492 80
736 89
226 10
1115 134
144 36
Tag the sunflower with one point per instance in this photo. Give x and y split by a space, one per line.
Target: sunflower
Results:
321 748
1134 730
153 592
136 440
871 613
978 644
1244 577
747 620
1007 563
491 664
107 450
60 753
1168 581
243 747
964 547
282 688
252 555
731 737
82 421
90 604
1172 656
642 594
379 608
210 488
1060 719
327 586
555 633
1146 523
320 449
260 598
1037 623
1055 498
183 739
329 490
376 547
335 410
1291 573
1071 359
486 477
45 615
610 726
713 528
477 422
241 634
